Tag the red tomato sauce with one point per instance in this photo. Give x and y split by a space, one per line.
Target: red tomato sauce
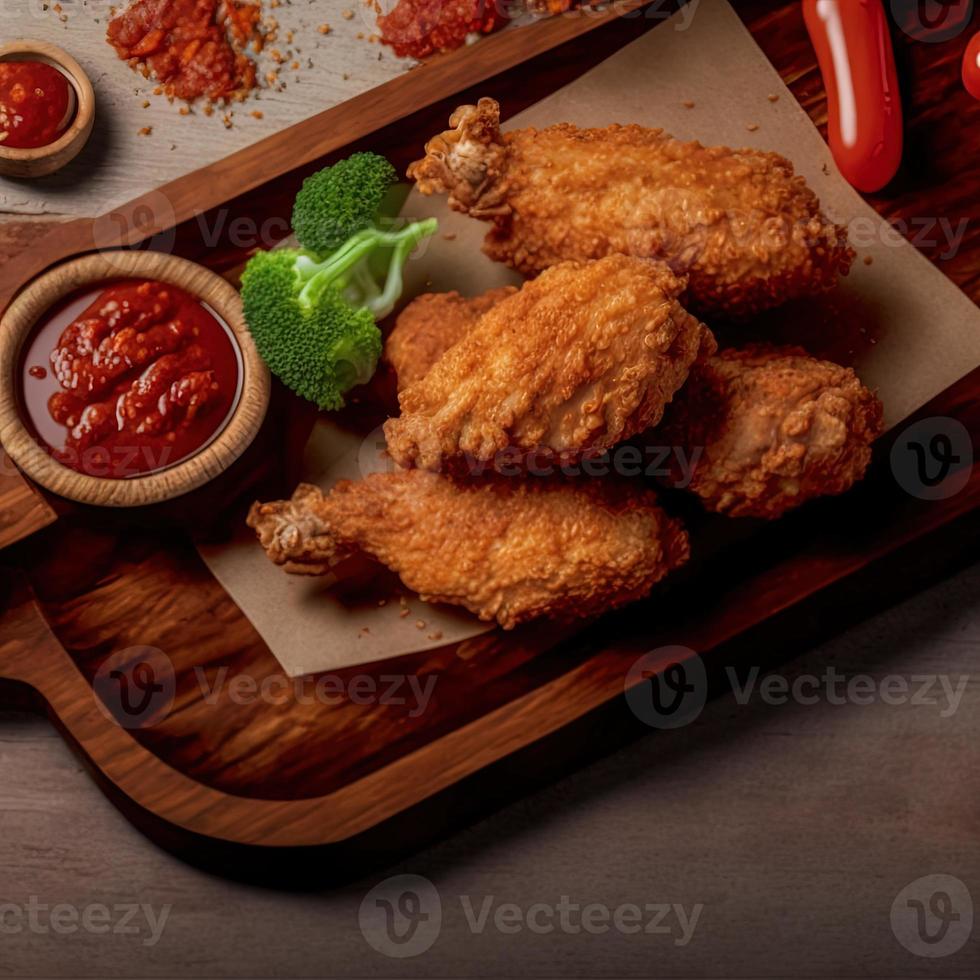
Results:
184 44
418 28
35 99
129 379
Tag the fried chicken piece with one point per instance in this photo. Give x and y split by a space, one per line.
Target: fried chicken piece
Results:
430 325
506 549
581 358
775 428
740 224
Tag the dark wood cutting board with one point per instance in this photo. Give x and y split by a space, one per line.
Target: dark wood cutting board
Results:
256 787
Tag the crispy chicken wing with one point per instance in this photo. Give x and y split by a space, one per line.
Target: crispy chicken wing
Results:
775 428
581 358
506 549
747 231
430 325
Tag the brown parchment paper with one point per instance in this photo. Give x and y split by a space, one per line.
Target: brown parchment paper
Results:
907 330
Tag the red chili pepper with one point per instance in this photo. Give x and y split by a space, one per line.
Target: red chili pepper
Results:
854 51
971 66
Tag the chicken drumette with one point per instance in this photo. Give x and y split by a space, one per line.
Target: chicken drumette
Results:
507 549
770 428
741 224
581 358
430 325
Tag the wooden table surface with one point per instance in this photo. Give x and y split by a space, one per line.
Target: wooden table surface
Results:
794 825
798 837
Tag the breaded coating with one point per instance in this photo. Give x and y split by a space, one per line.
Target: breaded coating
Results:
508 550
430 325
746 230
581 358
775 428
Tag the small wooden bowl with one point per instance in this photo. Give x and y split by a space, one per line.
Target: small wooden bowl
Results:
42 160
223 450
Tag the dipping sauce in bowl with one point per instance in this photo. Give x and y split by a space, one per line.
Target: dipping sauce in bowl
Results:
129 378
37 104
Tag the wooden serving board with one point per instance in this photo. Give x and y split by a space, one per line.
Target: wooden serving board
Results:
255 786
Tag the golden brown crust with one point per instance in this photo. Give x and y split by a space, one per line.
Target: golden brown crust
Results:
745 229
774 428
430 325
509 550
581 358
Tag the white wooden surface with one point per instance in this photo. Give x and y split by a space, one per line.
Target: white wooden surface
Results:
119 164
796 826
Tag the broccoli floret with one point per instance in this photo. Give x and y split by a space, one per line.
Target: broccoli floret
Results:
312 310
319 349
339 201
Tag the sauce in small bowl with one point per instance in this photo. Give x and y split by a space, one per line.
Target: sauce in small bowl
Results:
37 104
47 108
128 378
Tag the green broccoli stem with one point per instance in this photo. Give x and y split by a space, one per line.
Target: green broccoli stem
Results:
347 268
382 305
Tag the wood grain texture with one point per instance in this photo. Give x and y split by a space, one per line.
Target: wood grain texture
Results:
152 215
289 773
334 67
184 200
22 510
208 464
290 769
809 816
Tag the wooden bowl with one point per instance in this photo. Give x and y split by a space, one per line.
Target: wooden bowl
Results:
42 160
214 458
